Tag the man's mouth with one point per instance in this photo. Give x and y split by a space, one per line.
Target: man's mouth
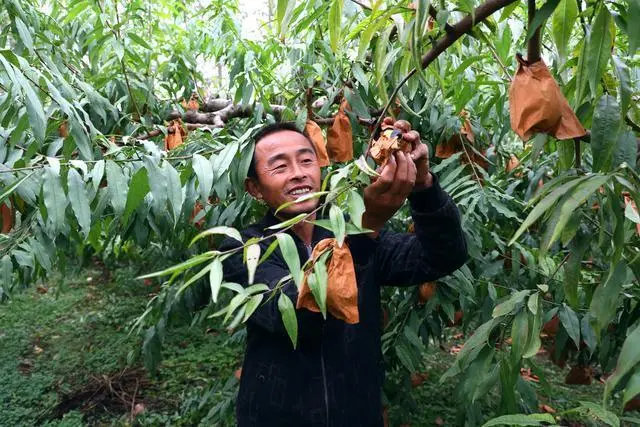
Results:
300 191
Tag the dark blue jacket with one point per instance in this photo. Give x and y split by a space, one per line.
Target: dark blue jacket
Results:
334 377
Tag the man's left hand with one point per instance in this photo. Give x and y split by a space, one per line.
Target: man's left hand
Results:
419 152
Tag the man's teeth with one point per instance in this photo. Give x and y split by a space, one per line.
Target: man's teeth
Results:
300 191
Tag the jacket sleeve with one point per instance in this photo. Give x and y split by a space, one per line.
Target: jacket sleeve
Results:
437 248
267 316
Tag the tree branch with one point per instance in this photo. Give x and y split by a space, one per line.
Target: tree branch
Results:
463 26
533 47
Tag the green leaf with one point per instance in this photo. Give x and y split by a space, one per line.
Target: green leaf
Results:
25 34
569 205
174 190
600 413
599 48
37 119
519 334
361 163
633 17
534 333
335 24
301 199
79 201
252 255
541 15
8 190
138 40
562 23
288 312
631 214
204 172
628 359
356 207
283 15
605 298
252 305
178 268
624 76
296 219
508 306
632 389
626 150
405 358
356 103
215 278
138 189
604 132
521 420
320 281
570 323
117 187
227 231
350 228
337 224
588 335
544 205
291 257
54 198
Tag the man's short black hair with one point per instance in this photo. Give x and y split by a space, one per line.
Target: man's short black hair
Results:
268 130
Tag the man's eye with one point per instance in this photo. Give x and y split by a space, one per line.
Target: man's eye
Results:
307 161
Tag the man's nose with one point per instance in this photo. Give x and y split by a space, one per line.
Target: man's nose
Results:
298 172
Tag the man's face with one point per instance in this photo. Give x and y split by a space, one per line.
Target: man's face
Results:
287 168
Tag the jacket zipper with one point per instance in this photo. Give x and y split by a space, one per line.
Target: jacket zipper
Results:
324 380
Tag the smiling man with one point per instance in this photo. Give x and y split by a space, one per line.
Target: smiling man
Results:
334 376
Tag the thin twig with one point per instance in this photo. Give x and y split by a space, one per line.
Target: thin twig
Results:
462 27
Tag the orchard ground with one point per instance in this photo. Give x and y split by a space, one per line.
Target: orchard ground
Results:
67 359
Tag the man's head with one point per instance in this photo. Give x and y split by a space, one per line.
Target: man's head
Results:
284 167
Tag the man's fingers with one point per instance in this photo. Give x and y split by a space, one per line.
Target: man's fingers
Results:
412 137
388 121
420 152
402 125
385 180
401 178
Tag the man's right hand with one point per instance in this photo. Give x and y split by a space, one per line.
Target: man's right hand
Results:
388 192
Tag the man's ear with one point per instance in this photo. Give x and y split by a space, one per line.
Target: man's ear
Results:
253 187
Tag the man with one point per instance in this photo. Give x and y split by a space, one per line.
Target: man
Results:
334 377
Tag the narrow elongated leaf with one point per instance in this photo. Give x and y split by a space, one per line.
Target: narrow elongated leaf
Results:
54 198
578 196
626 150
604 132
338 224
79 201
544 205
37 119
8 190
541 16
301 199
227 231
508 306
335 24
138 189
562 23
599 47
519 334
252 306
215 278
25 34
204 172
633 17
174 190
296 219
356 208
624 76
632 389
291 257
288 313
606 296
283 15
6 272
252 257
521 420
117 187
570 323
628 359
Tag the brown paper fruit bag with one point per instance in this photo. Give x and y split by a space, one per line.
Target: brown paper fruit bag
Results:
339 137
536 104
314 133
342 289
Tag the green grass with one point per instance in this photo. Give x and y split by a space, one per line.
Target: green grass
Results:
58 347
